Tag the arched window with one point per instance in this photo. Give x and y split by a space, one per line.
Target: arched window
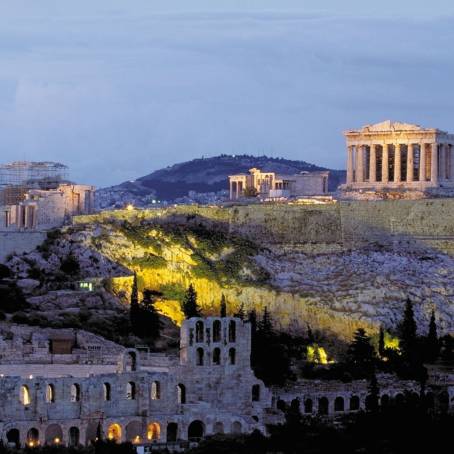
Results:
50 393
216 331
218 428
323 406
75 392
384 401
255 393
33 437
354 403
236 427
107 391
53 434
131 362
217 356
232 331
74 436
131 390
199 359
199 331
155 390
181 390
232 356
25 395
196 430
339 404
114 433
308 406
172 431
153 431
13 437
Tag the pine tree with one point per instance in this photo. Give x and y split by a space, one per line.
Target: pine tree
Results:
432 342
266 324
149 321
361 353
252 319
407 334
189 305
223 306
381 342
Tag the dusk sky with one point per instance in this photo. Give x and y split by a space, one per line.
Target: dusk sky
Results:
117 89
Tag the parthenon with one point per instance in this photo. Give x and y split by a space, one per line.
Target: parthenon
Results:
393 155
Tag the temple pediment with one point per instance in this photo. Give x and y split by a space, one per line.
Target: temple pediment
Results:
389 125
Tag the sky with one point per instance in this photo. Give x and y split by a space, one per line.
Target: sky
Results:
117 89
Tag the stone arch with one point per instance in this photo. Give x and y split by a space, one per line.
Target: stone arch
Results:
53 434
323 406
133 431
199 331
217 331
130 390
73 436
153 431
255 393
13 437
232 356
354 403
236 427
33 437
107 390
25 397
308 405
399 399
172 432
232 331
384 400
93 429
181 391
114 432
75 392
50 393
339 403
200 356
130 361
217 356
155 390
196 430
218 427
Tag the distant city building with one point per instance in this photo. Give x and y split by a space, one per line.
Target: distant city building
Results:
38 196
272 185
393 155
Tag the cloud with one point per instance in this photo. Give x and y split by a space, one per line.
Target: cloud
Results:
117 94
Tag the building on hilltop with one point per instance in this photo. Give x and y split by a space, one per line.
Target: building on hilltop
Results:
39 196
399 156
269 185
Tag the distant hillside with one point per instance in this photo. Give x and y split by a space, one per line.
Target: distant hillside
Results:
211 175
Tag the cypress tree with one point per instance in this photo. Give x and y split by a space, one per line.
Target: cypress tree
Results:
407 332
223 306
189 304
381 342
432 343
361 353
266 324
134 315
150 322
374 394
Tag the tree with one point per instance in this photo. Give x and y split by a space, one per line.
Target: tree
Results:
189 304
266 324
431 341
373 397
223 306
407 334
240 313
150 323
381 342
361 353
134 312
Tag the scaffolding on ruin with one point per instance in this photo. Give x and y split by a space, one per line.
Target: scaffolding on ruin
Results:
16 178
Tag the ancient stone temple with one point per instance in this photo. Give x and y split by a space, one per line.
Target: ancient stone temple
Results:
399 156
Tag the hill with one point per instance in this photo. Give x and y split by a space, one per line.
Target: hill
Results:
204 175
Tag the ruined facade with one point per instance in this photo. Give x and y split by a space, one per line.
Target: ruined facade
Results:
270 185
70 389
396 156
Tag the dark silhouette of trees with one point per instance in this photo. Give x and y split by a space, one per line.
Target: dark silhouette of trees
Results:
361 355
432 344
189 304
223 309
381 343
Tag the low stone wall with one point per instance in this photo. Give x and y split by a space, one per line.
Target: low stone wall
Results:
18 242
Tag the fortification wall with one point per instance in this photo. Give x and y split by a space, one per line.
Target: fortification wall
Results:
19 242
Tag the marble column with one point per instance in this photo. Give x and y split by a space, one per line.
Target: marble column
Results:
442 163
447 161
360 164
384 165
349 165
397 163
451 153
434 164
410 163
422 162
372 164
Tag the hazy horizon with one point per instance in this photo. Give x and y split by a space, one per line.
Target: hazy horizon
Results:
117 90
